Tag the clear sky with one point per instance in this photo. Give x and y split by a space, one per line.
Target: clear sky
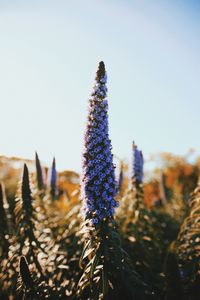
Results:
49 52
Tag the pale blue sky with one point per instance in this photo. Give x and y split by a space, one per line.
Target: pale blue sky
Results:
49 52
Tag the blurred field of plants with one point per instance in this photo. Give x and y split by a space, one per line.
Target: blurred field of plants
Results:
167 192
174 175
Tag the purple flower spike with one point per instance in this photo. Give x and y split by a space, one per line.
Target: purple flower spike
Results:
98 179
53 179
138 164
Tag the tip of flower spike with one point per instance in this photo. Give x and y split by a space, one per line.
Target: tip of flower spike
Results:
1 194
138 163
133 145
101 72
37 157
25 183
24 272
23 265
53 179
37 160
54 163
25 172
53 166
40 182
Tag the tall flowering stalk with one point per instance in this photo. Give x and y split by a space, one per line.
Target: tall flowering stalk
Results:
137 227
138 165
98 182
187 247
107 268
134 200
26 221
137 177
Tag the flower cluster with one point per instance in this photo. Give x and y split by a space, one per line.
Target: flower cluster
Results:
138 164
98 181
